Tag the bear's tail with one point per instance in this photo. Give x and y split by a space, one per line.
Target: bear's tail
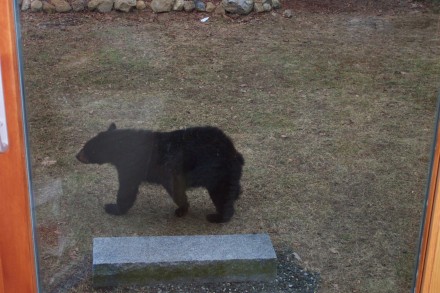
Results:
239 158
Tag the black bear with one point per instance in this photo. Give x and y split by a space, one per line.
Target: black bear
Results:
177 160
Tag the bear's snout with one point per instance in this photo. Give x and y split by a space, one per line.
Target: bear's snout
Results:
82 157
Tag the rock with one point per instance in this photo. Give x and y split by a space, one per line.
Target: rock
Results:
267 7
200 5
178 5
140 5
258 7
238 6
36 6
297 257
162 5
102 6
262 5
78 5
105 6
276 4
210 7
61 5
48 8
25 5
189 6
125 5
219 10
288 13
93 4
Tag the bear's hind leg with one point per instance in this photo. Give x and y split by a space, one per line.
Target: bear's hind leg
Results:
224 204
176 189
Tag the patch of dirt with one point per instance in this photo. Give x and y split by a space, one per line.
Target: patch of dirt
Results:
48 234
333 112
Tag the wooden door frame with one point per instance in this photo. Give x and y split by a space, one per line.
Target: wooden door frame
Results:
428 259
17 246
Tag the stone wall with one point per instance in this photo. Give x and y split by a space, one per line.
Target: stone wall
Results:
242 7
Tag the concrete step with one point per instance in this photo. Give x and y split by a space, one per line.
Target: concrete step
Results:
156 259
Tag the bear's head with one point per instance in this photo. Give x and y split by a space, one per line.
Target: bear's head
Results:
96 150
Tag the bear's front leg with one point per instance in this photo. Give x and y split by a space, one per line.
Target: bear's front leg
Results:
125 199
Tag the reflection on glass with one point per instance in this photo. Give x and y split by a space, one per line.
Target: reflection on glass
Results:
177 160
331 112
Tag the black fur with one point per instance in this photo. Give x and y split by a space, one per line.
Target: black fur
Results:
177 160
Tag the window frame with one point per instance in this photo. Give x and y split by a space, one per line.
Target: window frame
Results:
18 249
18 255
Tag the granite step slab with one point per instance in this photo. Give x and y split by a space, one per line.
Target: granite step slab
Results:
159 259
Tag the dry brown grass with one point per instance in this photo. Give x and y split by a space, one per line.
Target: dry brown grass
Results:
333 114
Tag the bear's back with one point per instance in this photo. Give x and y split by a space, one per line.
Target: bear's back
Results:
197 142
203 154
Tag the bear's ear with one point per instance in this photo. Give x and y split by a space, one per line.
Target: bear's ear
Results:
111 127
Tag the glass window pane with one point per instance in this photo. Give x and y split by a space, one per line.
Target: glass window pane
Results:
332 112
